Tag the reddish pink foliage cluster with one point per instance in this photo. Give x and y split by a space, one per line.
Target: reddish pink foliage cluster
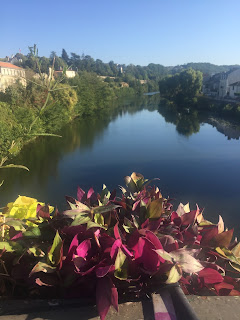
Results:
107 245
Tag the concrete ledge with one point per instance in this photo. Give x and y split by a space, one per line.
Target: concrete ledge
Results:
206 308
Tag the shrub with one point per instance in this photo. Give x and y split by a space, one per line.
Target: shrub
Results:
105 245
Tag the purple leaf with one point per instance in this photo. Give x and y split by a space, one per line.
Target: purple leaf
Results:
91 195
70 199
168 243
79 262
103 271
113 195
106 295
43 211
81 195
72 247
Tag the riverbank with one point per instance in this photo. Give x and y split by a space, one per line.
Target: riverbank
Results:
81 97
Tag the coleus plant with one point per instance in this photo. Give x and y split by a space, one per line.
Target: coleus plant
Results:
105 246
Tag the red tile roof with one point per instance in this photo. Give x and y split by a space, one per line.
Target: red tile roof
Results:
8 65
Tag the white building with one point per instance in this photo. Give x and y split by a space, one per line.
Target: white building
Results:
226 81
68 74
234 90
9 74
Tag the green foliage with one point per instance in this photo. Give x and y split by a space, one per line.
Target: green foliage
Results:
182 87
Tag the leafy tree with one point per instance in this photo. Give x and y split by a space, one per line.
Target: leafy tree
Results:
65 56
182 87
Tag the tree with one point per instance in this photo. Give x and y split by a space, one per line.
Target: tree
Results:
182 87
65 56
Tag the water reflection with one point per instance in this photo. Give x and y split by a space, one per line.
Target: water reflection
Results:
43 155
188 121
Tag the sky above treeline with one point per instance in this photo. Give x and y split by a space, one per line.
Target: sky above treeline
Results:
168 32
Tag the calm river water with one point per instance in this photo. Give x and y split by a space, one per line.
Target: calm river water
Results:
195 161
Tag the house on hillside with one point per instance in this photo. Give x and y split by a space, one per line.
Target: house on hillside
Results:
9 74
226 81
234 90
68 74
223 85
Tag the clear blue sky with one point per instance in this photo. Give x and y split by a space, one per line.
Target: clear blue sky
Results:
168 32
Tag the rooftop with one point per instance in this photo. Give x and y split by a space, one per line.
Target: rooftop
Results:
8 65
235 83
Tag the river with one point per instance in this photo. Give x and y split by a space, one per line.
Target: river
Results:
197 160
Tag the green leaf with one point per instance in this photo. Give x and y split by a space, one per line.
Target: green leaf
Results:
155 209
164 254
121 266
99 219
81 219
55 253
33 232
104 209
42 267
105 194
130 184
174 275
75 212
121 257
92 224
14 166
17 224
37 252
11 246
235 266
236 250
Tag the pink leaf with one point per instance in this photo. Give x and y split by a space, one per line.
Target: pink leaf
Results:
208 235
91 195
114 250
146 256
72 247
83 248
210 276
116 232
223 288
17 236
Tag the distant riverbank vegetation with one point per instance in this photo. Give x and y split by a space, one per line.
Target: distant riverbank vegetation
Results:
93 90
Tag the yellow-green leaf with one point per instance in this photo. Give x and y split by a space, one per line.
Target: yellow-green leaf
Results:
174 275
54 255
98 218
155 209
